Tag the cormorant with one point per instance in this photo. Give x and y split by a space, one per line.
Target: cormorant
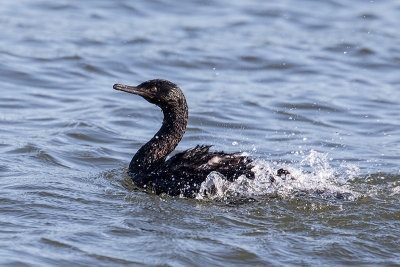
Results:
183 173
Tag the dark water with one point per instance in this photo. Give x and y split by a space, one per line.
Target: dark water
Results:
310 85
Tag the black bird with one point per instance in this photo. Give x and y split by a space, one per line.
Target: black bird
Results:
183 173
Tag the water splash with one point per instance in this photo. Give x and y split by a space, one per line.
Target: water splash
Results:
312 177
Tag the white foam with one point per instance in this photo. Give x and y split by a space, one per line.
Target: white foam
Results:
311 176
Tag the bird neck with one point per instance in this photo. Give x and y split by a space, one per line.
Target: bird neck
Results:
153 153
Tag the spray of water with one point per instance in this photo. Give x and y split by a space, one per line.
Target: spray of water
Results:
312 176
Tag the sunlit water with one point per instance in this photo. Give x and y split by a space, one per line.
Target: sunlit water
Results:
311 86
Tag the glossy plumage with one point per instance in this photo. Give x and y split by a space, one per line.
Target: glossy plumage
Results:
183 173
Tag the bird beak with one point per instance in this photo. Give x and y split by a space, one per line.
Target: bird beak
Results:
132 89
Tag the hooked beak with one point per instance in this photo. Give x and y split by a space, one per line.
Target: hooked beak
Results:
132 89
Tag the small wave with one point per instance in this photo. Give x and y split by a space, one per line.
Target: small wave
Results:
314 177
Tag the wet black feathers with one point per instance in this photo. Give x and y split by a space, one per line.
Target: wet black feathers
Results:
183 173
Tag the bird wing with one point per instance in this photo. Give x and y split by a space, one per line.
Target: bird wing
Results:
200 160
184 172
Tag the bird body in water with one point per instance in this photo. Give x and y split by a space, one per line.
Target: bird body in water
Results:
183 173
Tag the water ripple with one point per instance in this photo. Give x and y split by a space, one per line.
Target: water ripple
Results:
311 86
